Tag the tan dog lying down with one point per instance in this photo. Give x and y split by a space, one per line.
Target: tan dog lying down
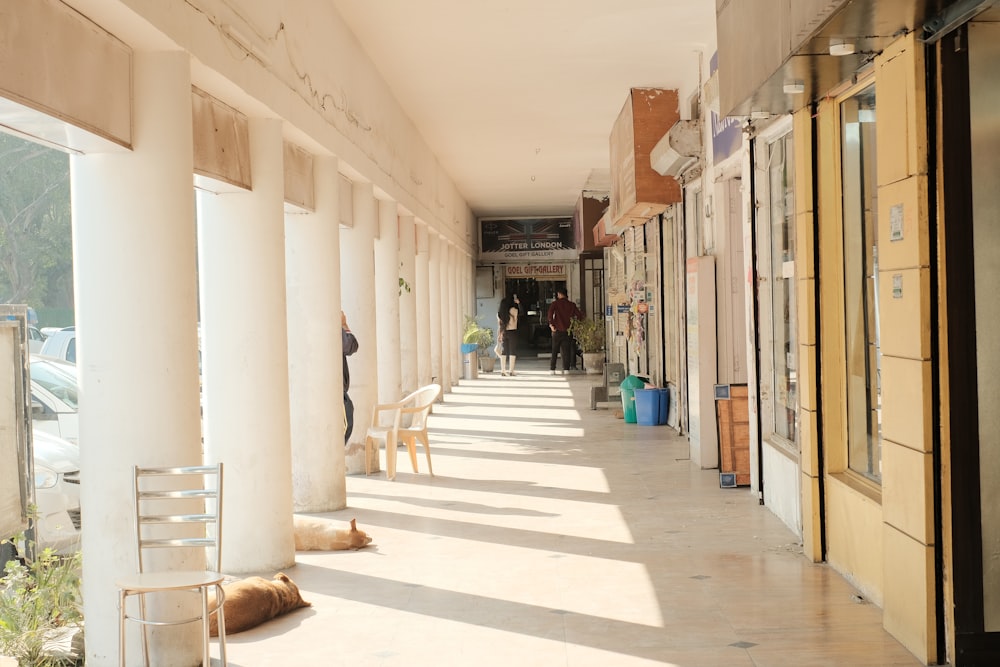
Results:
254 600
316 534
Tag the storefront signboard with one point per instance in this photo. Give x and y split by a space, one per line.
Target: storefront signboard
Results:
527 239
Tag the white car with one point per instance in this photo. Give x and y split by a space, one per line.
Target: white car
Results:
35 340
61 344
57 493
54 398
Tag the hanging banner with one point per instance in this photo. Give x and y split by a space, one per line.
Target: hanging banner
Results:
523 239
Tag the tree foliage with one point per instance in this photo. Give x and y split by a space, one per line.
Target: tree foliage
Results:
35 248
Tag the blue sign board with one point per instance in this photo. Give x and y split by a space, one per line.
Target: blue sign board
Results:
727 135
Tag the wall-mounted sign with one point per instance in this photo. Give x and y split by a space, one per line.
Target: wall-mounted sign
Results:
727 135
536 271
527 239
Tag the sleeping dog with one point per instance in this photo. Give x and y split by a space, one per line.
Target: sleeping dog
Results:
254 600
316 534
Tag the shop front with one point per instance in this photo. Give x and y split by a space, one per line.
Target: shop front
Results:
530 257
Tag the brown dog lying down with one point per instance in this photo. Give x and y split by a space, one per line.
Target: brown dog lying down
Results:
316 534
254 600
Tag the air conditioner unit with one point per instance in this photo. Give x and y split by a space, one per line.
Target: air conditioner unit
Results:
679 148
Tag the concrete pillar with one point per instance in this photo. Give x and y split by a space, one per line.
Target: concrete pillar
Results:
423 293
434 307
408 305
454 314
387 267
315 382
357 279
245 357
135 270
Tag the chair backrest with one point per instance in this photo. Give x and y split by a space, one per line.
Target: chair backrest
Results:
179 508
417 406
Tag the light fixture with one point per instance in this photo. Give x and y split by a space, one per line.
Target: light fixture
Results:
841 47
794 88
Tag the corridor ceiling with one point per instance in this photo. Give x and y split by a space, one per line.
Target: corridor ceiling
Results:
517 98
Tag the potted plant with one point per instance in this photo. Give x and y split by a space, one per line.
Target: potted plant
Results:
589 335
41 621
479 339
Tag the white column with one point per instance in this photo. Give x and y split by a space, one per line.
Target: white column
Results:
315 383
245 357
434 307
457 310
423 292
445 314
387 302
134 269
408 305
357 294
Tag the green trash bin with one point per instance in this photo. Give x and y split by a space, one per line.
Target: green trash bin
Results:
628 387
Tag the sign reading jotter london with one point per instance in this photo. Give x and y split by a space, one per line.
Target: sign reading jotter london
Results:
521 239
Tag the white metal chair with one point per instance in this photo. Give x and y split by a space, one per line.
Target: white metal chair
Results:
176 508
404 421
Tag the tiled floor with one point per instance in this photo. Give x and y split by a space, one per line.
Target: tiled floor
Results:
554 535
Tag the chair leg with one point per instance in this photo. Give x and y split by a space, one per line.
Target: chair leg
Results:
390 457
207 659
411 448
427 449
145 629
121 628
220 612
369 444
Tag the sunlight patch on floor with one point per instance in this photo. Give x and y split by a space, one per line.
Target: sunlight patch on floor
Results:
538 429
593 589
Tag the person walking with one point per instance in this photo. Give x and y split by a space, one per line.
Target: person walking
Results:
350 346
507 321
562 312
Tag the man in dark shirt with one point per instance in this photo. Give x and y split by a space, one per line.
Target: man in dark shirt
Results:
350 344
562 311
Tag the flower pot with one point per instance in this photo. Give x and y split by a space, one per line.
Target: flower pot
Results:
487 364
593 362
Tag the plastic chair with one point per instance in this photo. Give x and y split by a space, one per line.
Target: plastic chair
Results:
404 421
176 509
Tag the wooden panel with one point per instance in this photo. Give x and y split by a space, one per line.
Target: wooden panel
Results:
637 192
299 181
221 140
734 434
59 63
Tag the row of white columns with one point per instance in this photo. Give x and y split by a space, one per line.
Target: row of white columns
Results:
270 287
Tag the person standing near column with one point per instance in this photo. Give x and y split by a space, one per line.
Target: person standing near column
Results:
562 312
350 346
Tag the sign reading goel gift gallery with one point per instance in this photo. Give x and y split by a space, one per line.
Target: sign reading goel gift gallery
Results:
527 239
536 271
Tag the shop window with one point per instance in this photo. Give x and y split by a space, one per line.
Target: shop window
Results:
781 245
862 355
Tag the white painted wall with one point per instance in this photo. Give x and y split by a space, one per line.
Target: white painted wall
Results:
782 484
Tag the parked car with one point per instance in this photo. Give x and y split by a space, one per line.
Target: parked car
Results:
54 397
35 340
57 496
57 493
61 344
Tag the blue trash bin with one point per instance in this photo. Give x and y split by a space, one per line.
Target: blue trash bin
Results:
647 407
664 396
